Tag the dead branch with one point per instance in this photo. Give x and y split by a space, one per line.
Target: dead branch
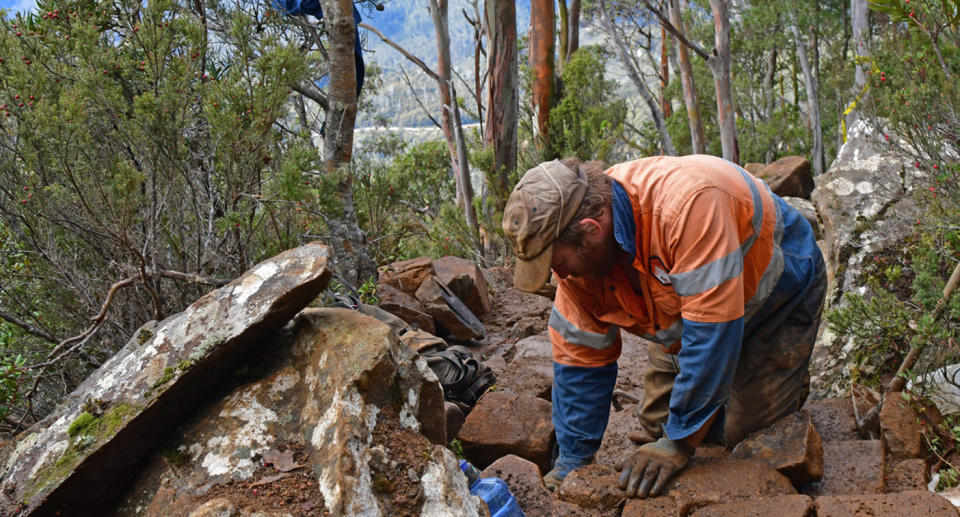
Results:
413 59
28 327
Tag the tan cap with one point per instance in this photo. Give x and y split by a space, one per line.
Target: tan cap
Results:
542 204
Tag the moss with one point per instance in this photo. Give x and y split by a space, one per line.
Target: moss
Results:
85 431
165 378
143 336
81 424
381 483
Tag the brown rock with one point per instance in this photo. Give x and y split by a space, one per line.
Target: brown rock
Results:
405 307
406 275
80 457
792 446
219 507
452 317
854 467
504 423
454 417
899 428
884 505
528 326
781 506
531 370
754 167
721 480
592 486
465 279
908 474
615 445
833 419
789 176
525 482
565 509
662 506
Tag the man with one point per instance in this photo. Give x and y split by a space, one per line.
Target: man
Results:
722 276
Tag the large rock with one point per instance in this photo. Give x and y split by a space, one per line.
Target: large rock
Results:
452 317
405 307
792 446
530 370
900 429
465 279
855 467
781 506
593 486
330 421
907 474
707 481
833 418
865 202
85 449
406 275
504 423
525 482
789 176
885 505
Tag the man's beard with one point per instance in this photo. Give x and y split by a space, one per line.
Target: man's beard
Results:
599 259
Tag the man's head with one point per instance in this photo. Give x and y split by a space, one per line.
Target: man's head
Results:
559 216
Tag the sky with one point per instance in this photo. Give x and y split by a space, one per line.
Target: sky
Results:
13 6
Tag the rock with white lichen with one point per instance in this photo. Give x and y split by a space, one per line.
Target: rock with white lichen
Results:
82 454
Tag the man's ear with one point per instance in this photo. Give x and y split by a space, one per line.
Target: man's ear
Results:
591 226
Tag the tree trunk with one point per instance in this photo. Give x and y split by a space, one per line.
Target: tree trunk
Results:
503 98
769 100
542 21
352 252
573 37
813 104
564 34
861 53
634 74
450 115
697 139
664 73
720 66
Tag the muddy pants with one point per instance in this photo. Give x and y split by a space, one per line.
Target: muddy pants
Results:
772 378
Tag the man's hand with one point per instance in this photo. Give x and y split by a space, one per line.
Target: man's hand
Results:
652 465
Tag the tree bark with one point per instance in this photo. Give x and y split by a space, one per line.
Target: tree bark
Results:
697 138
502 94
573 38
564 34
861 54
542 21
664 73
352 254
450 116
720 66
633 73
813 104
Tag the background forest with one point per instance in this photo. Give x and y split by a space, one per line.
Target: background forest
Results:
152 151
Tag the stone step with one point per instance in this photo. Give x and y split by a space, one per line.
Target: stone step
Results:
850 467
920 502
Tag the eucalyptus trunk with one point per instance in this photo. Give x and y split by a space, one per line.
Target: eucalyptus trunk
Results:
502 94
697 139
719 63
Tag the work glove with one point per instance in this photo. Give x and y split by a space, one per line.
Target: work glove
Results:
648 469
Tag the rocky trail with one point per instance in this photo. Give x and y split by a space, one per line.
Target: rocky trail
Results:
253 402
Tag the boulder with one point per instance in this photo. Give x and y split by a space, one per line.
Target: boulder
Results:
454 418
808 211
531 369
593 486
781 506
754 168
406 275
855 467
465 279
899 428
789 176
505 422
707 481
405 307
908 474
884 505
84 451
662 506
792 446
833 418
866 205
452 317
525 482
329 420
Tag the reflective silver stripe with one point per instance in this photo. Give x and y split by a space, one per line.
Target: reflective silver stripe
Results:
571 333
774 269
667 336
729 266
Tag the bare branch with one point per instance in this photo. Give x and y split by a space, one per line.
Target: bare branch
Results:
413 59
313 93
28 327
676 33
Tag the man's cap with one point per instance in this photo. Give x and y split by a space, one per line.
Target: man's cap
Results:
541 205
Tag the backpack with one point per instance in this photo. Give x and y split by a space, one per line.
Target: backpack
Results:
463 378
